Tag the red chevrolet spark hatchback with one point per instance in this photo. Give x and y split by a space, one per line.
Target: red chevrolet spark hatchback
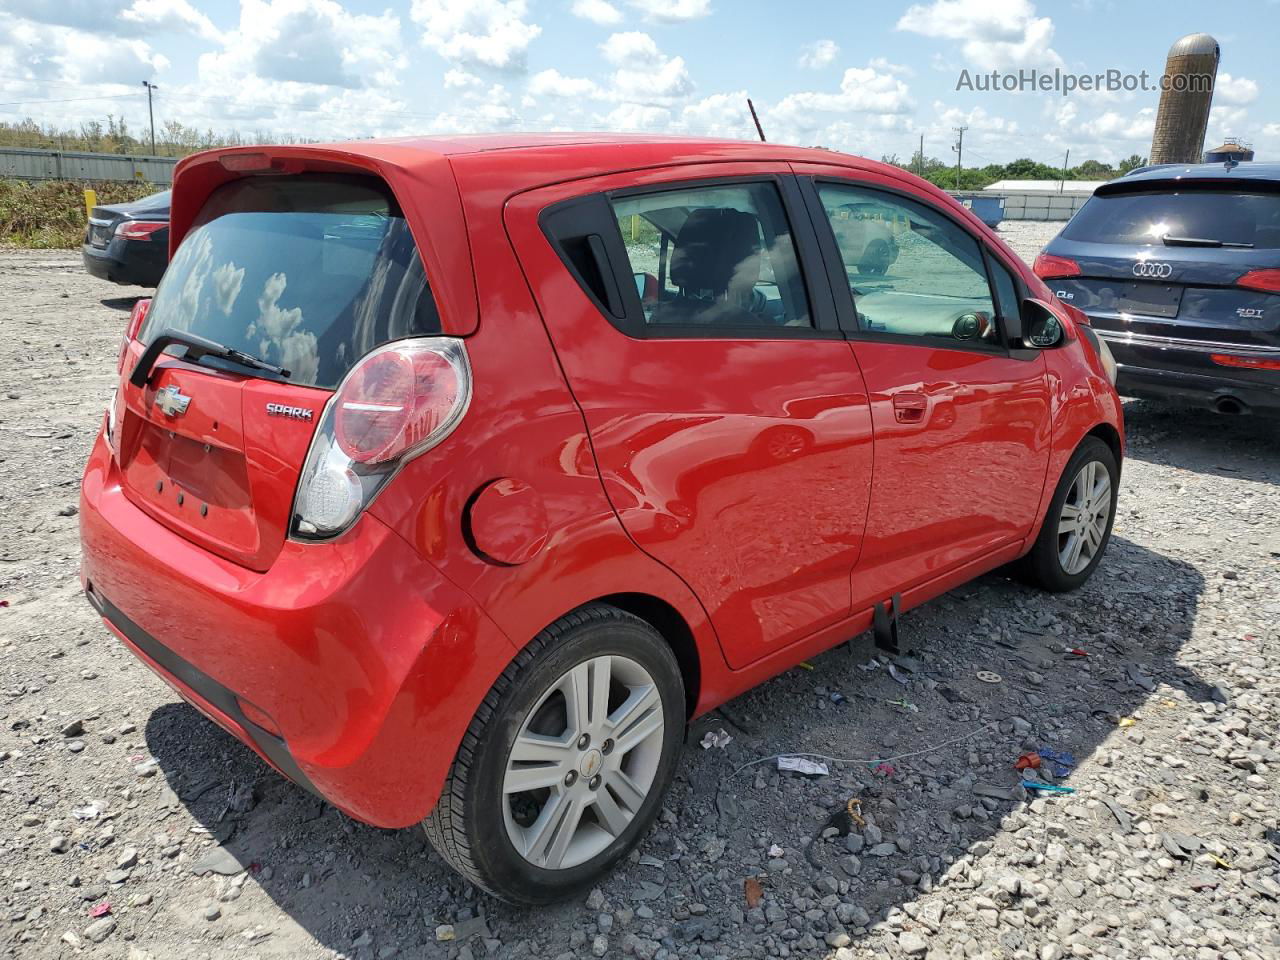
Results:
455 476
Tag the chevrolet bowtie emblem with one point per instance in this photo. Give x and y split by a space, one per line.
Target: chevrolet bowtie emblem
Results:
171 402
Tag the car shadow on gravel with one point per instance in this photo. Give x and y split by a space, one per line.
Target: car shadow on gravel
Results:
123 303
1237 447
733 868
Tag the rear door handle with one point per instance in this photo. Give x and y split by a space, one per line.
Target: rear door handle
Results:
910 407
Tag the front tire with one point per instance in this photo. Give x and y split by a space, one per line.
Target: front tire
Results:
566 761
1077 526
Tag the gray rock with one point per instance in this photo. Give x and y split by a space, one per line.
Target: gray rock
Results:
912 944
99 930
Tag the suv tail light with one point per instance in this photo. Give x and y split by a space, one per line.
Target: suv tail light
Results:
140 229
398 402
1268 281
1245 363
1049 267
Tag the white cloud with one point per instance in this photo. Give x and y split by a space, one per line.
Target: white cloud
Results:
306 42
631 48
1234 90
555 84
818 55
176 15
637 117
597 11
456 79
992 35
862 90
672 11
119 18
644 73
488 32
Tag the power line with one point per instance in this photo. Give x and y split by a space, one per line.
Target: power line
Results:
33 103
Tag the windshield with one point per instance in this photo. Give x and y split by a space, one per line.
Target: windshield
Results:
1226 216
308 272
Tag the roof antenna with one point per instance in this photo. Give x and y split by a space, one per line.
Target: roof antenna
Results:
759 129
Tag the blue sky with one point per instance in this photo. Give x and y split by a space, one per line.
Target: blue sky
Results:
867 78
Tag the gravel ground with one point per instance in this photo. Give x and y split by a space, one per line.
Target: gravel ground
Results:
126 819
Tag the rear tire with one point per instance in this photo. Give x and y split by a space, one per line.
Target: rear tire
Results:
1077 525
596 766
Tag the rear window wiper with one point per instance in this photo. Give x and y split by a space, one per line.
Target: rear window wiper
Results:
197 347
1171 241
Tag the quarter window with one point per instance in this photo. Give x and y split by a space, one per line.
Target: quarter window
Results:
713 256
912 272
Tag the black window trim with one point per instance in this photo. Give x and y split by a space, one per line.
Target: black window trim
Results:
839 282
809 260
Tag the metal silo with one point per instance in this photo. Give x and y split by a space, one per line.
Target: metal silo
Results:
1183 115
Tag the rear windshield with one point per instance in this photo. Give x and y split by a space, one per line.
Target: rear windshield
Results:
309 272
1225 215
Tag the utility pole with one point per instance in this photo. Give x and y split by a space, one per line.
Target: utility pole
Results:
920 164
151 113
759 129
959 149
1063 182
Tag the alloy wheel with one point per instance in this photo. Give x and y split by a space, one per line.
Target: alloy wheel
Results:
583 762
1082 526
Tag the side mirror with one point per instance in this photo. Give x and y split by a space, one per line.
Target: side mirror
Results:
1038 326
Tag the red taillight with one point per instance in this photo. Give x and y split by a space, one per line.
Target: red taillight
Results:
393 401
399 401
1268 281
1247 363
137 317
140 229
1049 267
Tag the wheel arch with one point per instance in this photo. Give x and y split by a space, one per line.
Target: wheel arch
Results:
668 621
1109 435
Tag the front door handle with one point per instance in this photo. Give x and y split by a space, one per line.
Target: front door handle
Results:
910 407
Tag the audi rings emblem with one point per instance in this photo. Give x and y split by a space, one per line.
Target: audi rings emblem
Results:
1152 270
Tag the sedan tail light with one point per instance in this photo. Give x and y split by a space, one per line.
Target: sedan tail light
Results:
1049 267
1268 281
140 229
398 402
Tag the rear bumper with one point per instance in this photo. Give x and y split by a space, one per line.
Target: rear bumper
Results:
1181 370
364 659
125 262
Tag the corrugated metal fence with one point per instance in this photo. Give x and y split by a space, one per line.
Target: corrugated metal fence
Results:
21 163
1038 204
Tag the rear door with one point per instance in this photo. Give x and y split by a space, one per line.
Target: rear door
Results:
726 411
961 423
309 273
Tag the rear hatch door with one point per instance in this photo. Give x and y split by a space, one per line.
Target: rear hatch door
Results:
308 273
1150 262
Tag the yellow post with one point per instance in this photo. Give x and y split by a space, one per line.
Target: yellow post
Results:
90 201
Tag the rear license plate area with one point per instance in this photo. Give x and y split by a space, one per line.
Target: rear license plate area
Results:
1149 299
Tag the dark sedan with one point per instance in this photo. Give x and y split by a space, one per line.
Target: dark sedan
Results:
129 242
1178 269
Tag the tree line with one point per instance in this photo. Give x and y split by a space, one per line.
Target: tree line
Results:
943 174
173 139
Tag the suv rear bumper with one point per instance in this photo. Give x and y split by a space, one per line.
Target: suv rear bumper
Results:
366 661
1170 368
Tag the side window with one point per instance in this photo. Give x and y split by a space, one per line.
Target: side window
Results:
713 256
912 272
1008 303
